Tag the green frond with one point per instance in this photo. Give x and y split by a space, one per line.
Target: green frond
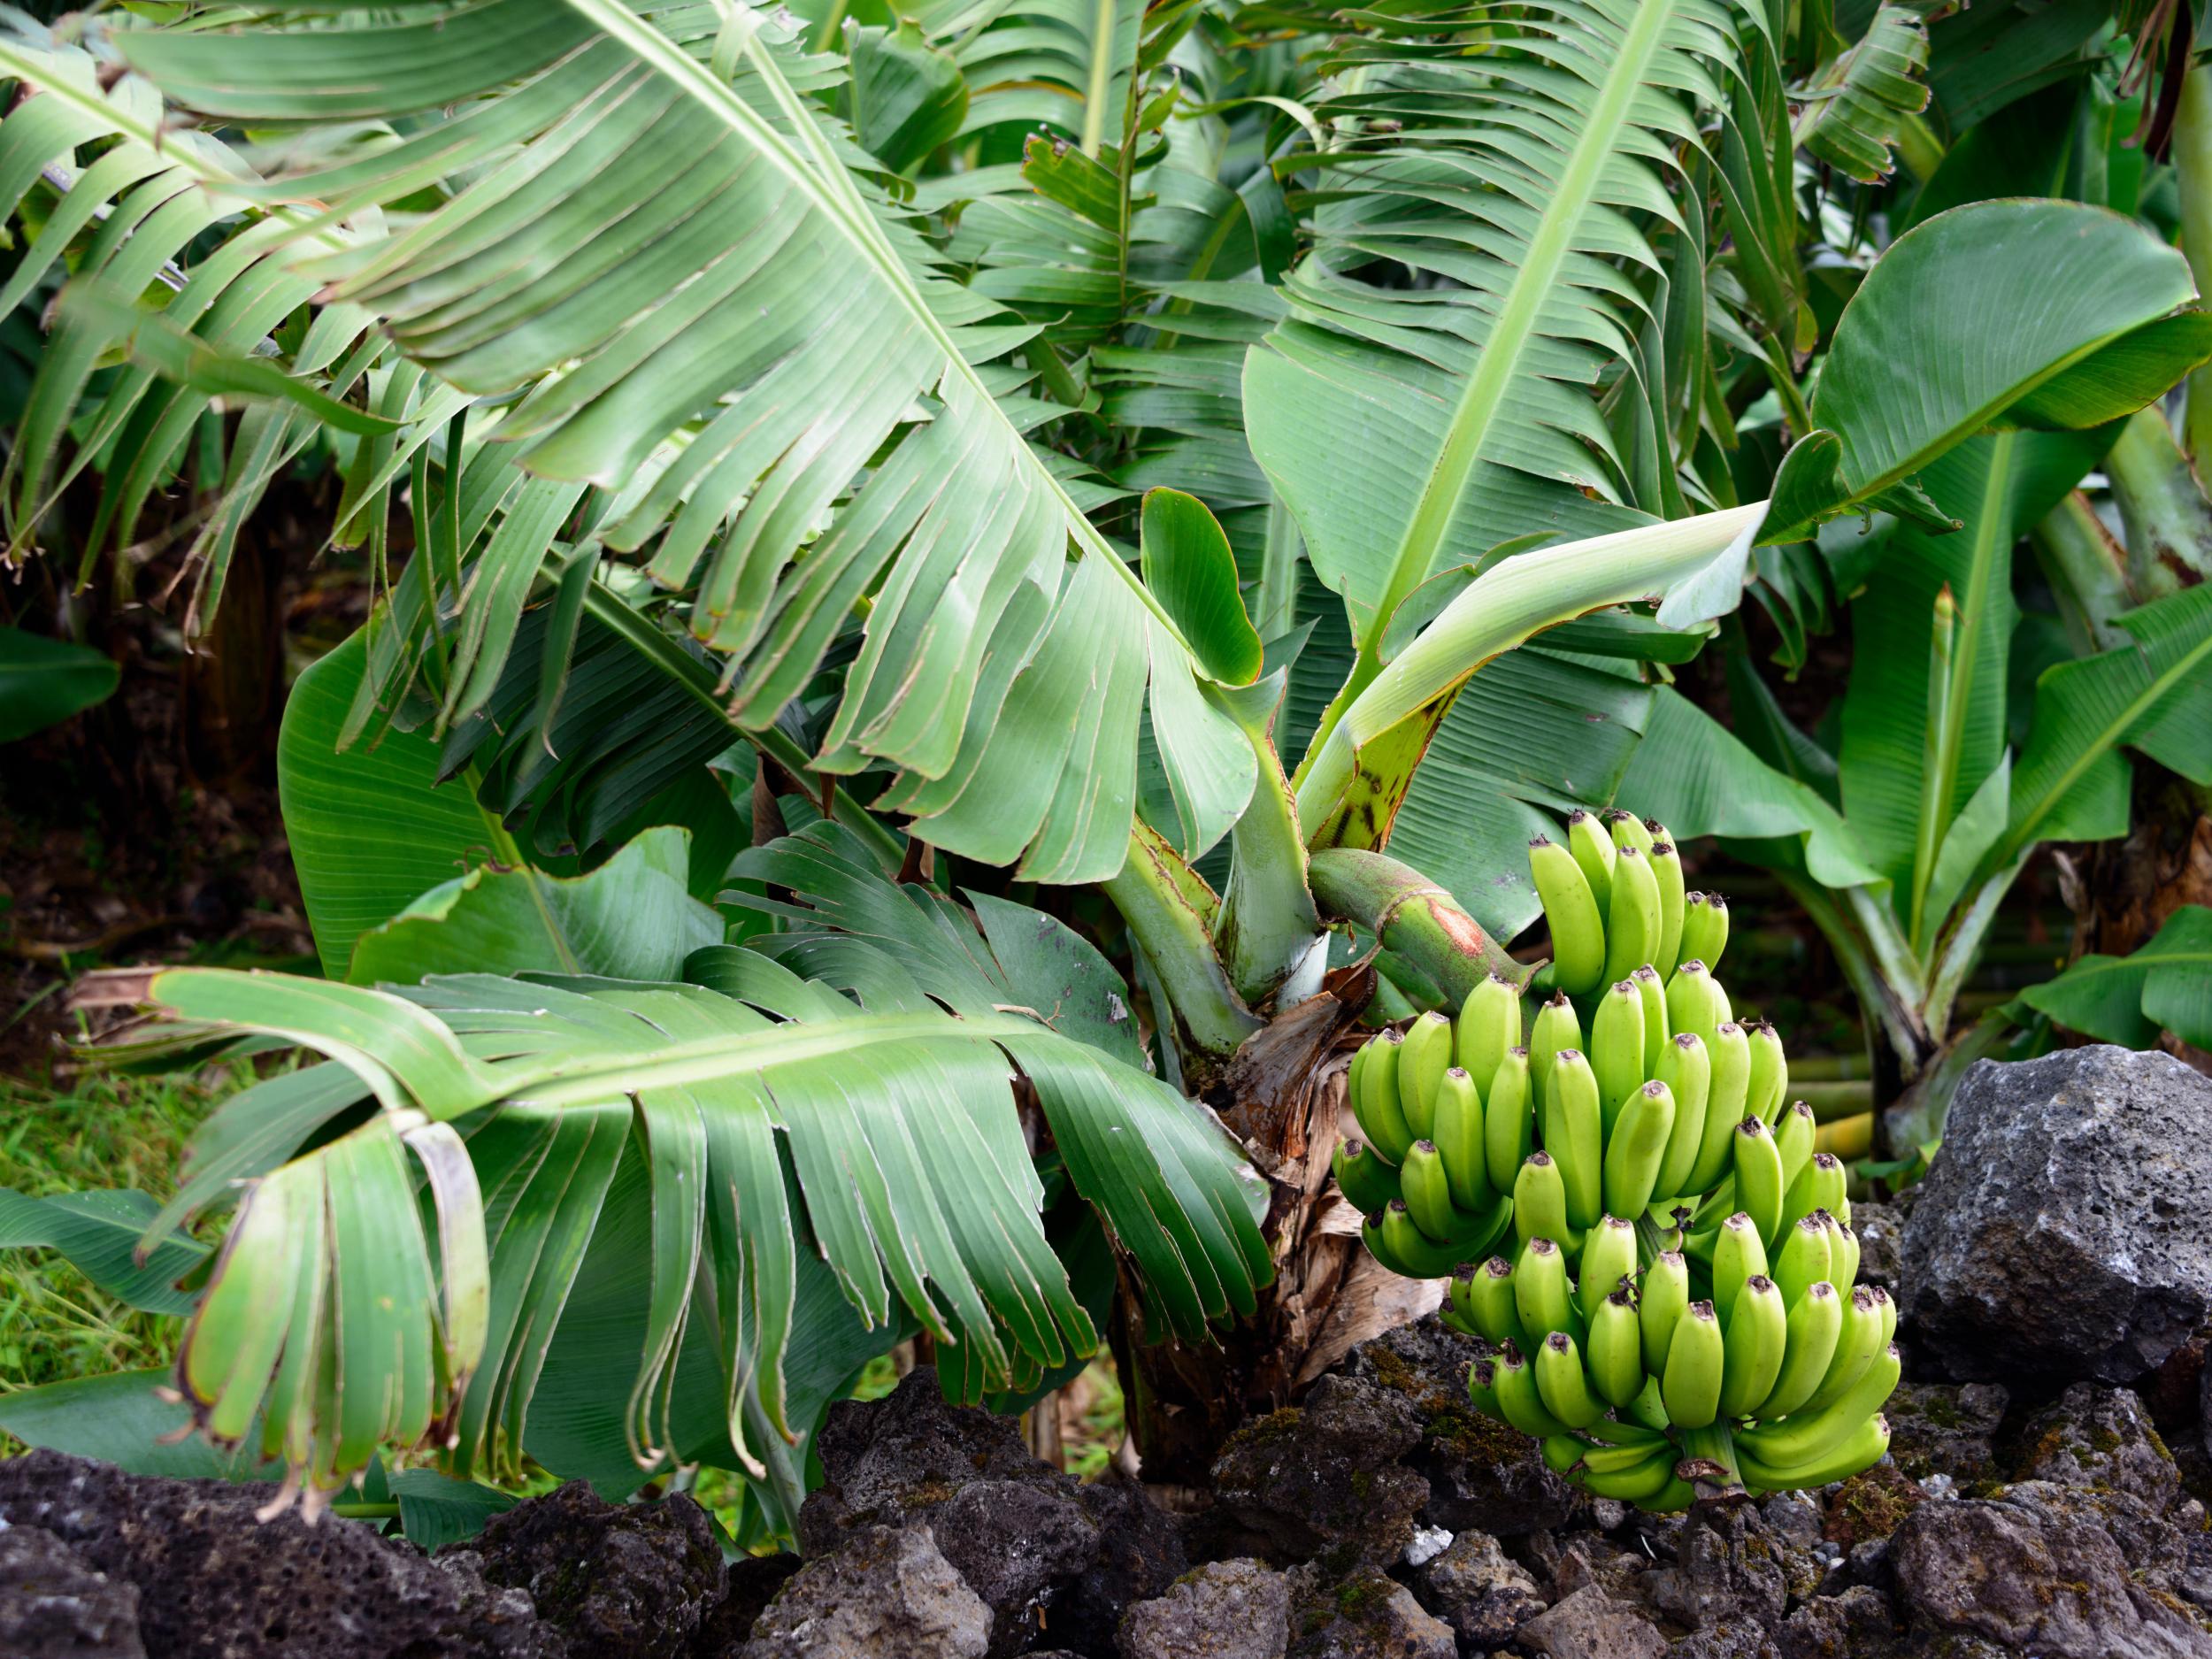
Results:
816 1048
1504 158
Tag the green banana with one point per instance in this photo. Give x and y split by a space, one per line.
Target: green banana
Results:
1563 1453
1666 868
1380 1118
1542 1295
1482 1388
1459 1299
1428 1195
1653 990
1616 1352
1704 928
1814 1323
1509 1120
1592 850
1695 1001
1660 1303
1822 1184
1645 1485
1608 1257
1857 1344
1803 1260
1489 1027
1518 1402
1757 1338
1554 1028
1400 1245
1888 1309
1690 1386
1739 1252
1770 1071
1638 1148
1632 923
1648 1412
1367 1182
1574 1130
1617 1046
1815 1431
1793 1132
1424 1056
1492 1305
1843 1253
1688 1074
1611 1446
1860 1450
1628 830
1728 1067
1452 1319
1560 1385
1759 1176
1577 926
1458 1134
1540 1201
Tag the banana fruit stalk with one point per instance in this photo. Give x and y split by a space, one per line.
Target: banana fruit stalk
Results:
1628 1206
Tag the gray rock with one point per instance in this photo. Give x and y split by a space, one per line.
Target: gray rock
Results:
1999 1572
1475 1589
1881 1229
619 1580
1366 1617
1855 1625
2059 1235
1792 1523
2195 1582
750 1583
887 1594
2155 1550
1014 1542
55 1605
1014 1528
1325 1477
1482 1476
1228 1609
889 1461
1947 1429
1726 1572
215 1583
1141 1553
2102 1438
1731 1638
1590 1624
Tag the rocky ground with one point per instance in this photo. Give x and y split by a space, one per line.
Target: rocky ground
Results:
2045 1492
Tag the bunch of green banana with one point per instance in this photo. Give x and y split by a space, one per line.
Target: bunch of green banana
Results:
1676 1302
1613 896
1738 1367
1446 1116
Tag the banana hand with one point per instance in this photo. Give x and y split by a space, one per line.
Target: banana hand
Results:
1424 1056
1631 922
1367 1183
1696 1358
1666 868
1489 1025
1577 926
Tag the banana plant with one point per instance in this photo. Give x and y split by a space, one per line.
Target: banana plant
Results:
1901 827
1232 518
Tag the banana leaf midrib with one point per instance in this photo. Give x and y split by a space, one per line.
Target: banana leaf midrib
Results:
2113 733
850 218
1515 322
581 1079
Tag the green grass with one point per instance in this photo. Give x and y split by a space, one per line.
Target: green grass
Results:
106 1131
